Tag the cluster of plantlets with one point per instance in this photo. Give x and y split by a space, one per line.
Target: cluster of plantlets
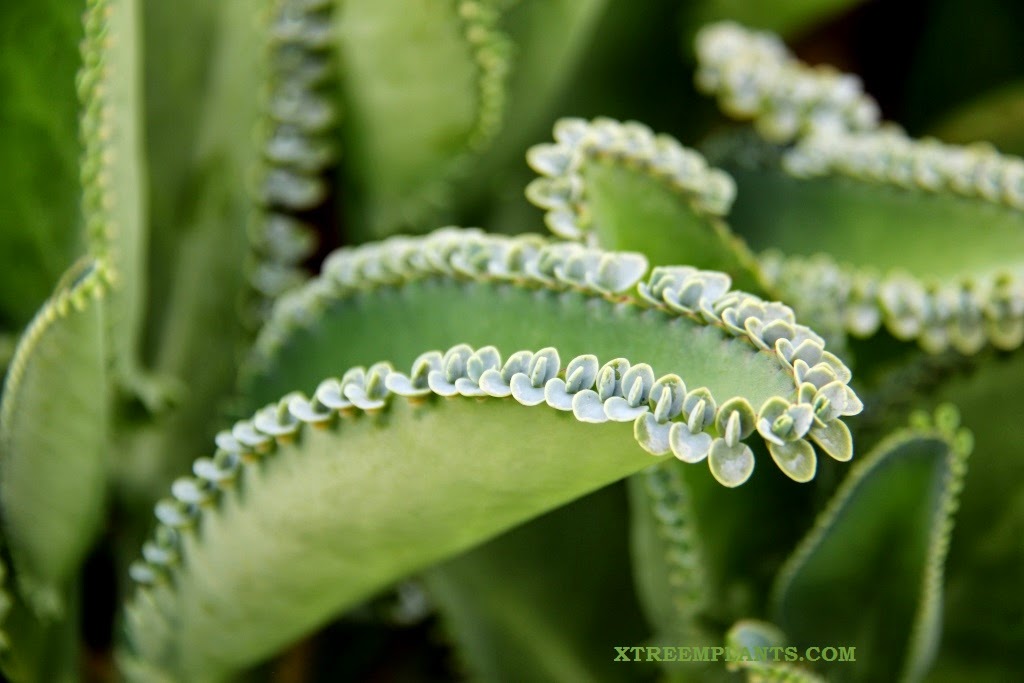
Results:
645 342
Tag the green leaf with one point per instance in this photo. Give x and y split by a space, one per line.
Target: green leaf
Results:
547 601
39 158
869 574
550 38
38 648
754 77
693 578
53 438
278 533
424 87
893 204
670 569
990 117
112 170
621 186
459 286
986 557
196 277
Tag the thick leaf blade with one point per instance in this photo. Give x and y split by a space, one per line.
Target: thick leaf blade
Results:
338 513
53 438
419 95
547 601
869 574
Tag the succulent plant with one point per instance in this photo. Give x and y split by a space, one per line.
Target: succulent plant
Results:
266 415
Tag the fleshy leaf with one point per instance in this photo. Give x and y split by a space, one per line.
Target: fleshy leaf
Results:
669 568
607 179
884 538
447 63
53 438
453 286
513 603
184 625
893 204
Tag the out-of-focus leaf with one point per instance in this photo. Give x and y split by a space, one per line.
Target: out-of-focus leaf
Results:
547 601
994 117
869 575
39 215
53 439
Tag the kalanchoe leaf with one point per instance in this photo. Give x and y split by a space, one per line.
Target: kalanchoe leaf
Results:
416 384
754 77
730 465
687 445
735 420
609 177
874 180
781 422
885 536
368 393
556 395
588 406
405 167
667 396
621 410
834 438
618 274
673 579
312 459
699 409
453 367
52 457
457 273
329 393
581 373
275 420
795 458
652 435
528 386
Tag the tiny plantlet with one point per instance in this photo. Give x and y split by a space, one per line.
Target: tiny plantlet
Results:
729 401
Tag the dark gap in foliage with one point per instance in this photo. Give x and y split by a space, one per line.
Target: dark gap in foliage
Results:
99 600
875 40
327 220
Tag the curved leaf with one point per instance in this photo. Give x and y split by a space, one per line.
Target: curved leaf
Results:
986 557
670 571
245 559
754 77
883 538
623 187
53 438
892 206
547 601
423 87
460 285
549 38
